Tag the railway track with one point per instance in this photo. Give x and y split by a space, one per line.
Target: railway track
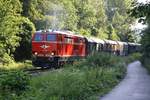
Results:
38 71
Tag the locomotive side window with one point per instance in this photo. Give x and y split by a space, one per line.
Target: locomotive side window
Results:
79 40
59 37
51 37
38 37
68 40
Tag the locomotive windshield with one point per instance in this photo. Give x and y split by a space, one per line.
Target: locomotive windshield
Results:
51 37
38 37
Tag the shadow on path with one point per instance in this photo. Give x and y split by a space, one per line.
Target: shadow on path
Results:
135 86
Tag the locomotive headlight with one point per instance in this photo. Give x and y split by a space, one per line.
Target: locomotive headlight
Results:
52 53
35 53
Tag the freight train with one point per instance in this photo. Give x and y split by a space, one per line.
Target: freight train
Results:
54 48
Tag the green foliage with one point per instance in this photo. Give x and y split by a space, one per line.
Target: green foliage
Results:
146 48
6 59
84 32
26 64
9 26
146 62
102 59
146 42
13 82
23 51
11 23
119 19
140 11
112 35
103 19
133 57
78 82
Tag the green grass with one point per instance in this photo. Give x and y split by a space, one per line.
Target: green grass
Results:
17 65
74 84
84 80
133 57
146 62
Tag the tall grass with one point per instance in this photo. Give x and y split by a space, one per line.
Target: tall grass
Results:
146 62
85 80
133 57
27 64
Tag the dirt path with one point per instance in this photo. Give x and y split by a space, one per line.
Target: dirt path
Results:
135 86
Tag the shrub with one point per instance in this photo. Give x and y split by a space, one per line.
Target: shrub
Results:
27 64
82 81
6 59
13 82
133 57
146 62
102 59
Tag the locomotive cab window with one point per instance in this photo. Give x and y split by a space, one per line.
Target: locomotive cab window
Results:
68 40
59 37
51 37
38 37
79 40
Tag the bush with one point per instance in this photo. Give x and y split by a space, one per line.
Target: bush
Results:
6 59
133 57
146 62
102 60
27 64
13 82
82 81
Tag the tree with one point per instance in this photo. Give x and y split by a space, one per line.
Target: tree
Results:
91 17
11 26
118 17
142 11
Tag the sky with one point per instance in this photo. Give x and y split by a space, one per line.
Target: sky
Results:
143 1
137 25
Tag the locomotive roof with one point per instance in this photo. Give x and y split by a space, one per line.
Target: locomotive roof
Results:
60 32
90 39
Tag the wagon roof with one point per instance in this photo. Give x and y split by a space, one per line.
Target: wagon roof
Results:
131 43
134 44
122 43
110 41
95 40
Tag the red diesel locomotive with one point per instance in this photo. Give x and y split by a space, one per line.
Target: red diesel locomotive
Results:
52 48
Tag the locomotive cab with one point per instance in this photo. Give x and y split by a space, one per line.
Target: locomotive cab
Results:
44 44
56 47
44 47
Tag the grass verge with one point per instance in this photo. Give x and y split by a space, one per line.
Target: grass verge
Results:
26 64
146 62
85 80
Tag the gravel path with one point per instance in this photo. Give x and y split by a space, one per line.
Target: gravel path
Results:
135 86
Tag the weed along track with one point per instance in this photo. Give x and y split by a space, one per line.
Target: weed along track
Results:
38 71
89 78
